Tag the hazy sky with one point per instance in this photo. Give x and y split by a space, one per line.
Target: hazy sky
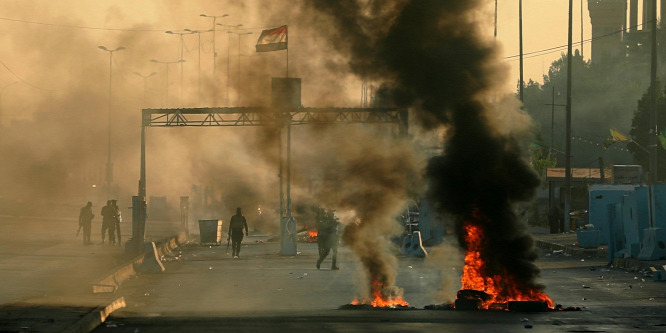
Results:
544 26
50 49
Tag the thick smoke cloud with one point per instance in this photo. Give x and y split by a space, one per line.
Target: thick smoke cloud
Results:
430 57
54 135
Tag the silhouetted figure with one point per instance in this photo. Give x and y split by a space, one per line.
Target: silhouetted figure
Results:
327 237
85 220
108 223
236 226
554 216
117 218
561 217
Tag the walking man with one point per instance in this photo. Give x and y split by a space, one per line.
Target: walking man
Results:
117 218
327 237
236 226
108 222
85 220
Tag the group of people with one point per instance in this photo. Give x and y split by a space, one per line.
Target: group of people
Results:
327 226
328 229
111 218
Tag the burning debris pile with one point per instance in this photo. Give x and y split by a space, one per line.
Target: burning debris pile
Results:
379 265
431 57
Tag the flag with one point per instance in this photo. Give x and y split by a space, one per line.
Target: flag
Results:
273 40
662 139
615 137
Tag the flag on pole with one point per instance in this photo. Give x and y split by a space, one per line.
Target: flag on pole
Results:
615 137
662 138
273 40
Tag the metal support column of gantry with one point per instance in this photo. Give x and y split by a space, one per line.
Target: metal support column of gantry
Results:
248 116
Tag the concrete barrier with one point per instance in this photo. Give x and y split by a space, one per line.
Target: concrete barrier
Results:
95 318
111 282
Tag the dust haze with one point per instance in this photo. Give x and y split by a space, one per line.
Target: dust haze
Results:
427 56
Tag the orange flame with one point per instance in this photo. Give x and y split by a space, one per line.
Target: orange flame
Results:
381 301
500 288
312 235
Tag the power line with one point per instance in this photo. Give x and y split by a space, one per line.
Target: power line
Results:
561 47
79 26
26 82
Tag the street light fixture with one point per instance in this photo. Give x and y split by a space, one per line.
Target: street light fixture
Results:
181 57
214 17
166 65
109 166
145 85
199 32
237 26
240 34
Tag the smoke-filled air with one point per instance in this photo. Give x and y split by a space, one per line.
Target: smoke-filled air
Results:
76 106
431 58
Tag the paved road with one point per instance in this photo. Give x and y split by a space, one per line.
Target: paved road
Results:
205 290
42 257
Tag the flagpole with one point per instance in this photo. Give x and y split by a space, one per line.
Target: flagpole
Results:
287 29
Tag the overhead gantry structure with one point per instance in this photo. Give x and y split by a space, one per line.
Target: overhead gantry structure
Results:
278 118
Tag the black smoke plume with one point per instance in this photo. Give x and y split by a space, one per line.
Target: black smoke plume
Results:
431 57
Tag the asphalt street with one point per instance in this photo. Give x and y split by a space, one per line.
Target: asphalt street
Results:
203 289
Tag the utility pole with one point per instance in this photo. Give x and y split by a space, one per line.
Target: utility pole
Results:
567 163
495 34
581 30
653 131
552 122
520 33
214 54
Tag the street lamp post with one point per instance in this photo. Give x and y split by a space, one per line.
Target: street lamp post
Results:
181 57
109 166
237 26
2 92
240 34
145 83
166 65
199 32
214 53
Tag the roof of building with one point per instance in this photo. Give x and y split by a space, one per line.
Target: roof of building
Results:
593 174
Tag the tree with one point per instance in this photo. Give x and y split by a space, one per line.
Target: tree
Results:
640 132
603 97
541 161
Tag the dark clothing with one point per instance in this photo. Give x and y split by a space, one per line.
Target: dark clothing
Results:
85 221
108 224
327 240
236 226
116 223
554 217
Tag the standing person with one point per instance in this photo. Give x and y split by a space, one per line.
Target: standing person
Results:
327 237
108 222
85 220
236 226
554 219
117 218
